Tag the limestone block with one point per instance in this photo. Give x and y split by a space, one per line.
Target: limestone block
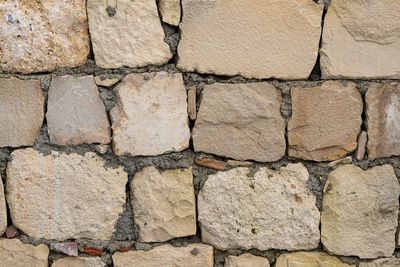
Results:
79 262
15 253
170 11
389 262
309 259
246 260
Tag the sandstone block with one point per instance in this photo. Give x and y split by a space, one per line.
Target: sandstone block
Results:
150 117
271 210
107 82
62 196
21 111
383 120
360 206
390 262
79 262
163 204
325 121
3 209
254 38
361 40
15 253
126 33
246 260
170 11
75 112
241 121
308 259
39 36
193 255
361 143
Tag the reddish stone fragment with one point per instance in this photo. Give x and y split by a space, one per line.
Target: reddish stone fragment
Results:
211 163
93 251
68 248
126 248
12 232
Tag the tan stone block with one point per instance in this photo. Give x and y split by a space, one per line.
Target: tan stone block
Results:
107 82
79 262
211 163
192 110
309 259
15 253
361 143
236 163
388 262
170 11
346 160
246 260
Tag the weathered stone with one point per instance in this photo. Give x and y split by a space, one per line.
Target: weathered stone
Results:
361 142
79 262
390 262
163 203
75 112
12 232
383 120
68 248
309 259
241 121
361 39
254 38
63 196
170 11
107 82
21 111
39 36
167 256
236 163
346 160
325 121
211 163
126 33
150 117
15 253
246 260
271 209
359 211
102 149
3 209
192 110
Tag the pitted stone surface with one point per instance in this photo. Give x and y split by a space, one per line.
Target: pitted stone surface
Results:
21 111
163 204
15 253
359 211
309 259
39 36
246 260
126 33
361 40
170 11
254 38
383 119
390 262
3 209
271 210
75 112
62 196
150 116
241 121
79 262
325 122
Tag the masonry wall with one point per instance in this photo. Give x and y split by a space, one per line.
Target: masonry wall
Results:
199 133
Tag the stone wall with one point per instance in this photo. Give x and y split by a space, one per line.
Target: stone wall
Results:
199 133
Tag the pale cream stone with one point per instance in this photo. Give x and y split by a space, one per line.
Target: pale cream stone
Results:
107 82
246 260
126 33
309 259
150 116
360 211
241 121
272 209
79 262
17 254
75 113
346 160
253 38
62 196
40 36
389 262
170 11
163 204
102 149
21 111
193 255
3 209
361 40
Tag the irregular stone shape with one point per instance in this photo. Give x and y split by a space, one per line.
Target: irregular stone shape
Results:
93 251
62 196
163 204
346 160
75 112
361 142
3 209
15 253
236 163
390 262
325 121
79 262
21 111
246 260
361 40
126 33
150 117
68 248
211 163
273 209
12 232
354 211
254 38
383 120
39 36
170 11
193 255
192 109
309 259
107 82
241 121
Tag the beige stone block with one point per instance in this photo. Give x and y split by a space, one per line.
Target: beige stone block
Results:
79 262
388 262
17 254
309 259
246 260
170 11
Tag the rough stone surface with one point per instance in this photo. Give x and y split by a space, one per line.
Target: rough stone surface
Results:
163 204
68 248
21 111
75 112
3 209
12 232
271 210
170 11
254 39
211 163
359 211
167 256
79 262
107 82
361 143
241 121
62 196
126 33
383 119
309 259
361 39
192 109
236 163
150 117
391 262
15 253
246 260
346 160
39 36
325 121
